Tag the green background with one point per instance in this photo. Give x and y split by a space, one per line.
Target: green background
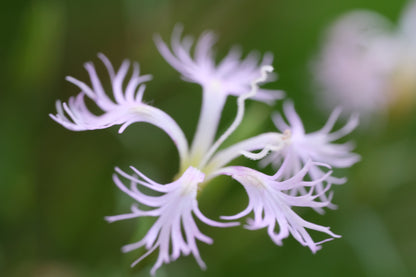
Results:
56 186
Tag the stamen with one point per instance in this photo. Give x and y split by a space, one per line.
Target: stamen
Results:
263 153
240 113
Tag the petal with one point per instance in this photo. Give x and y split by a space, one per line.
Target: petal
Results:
127 108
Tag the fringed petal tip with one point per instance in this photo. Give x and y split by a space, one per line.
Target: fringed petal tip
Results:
197 64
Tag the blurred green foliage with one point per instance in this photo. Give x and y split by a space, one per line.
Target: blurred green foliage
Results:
56 186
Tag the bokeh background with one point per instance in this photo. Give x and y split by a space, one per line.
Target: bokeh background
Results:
56 187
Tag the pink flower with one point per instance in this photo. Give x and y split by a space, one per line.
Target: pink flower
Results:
174 205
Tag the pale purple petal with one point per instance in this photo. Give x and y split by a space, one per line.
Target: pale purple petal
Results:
232 75
317 146
271 204
127 108
174 232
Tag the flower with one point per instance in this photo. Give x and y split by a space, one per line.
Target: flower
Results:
317 146
174 205
367 66
270 203
174 209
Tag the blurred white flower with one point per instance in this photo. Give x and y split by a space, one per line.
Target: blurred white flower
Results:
368 66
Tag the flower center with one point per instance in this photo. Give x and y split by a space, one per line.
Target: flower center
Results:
403 87
190 180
